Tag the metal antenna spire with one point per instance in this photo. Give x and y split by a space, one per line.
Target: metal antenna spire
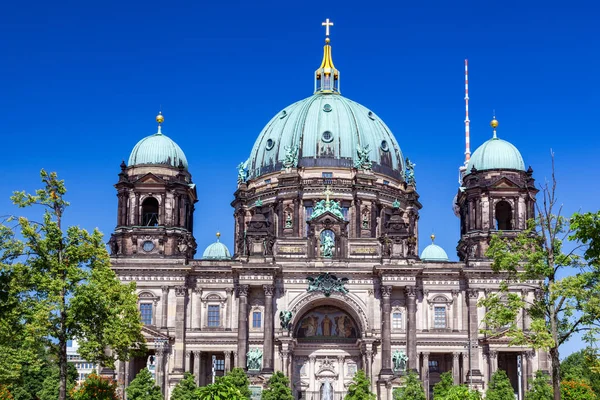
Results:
467 133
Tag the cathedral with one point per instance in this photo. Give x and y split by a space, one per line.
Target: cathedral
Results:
325 277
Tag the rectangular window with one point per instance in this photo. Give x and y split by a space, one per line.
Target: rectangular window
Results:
386 182
309 211
214 316
439 319
345 213
397 320
433 366
146 312
256 319
267 181
327 178
220 364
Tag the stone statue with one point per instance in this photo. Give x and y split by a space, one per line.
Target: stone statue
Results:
409 173
288 220
399 360
327 283
332 206
285 319
327 246
363 162
365 221
242 172
114 245
254 360
291 157
326 391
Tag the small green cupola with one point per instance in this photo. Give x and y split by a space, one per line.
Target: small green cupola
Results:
433 252
496 154
158 149
217 251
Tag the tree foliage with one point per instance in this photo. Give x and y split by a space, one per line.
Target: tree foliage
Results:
499 387
576 390
5 393
540 388
440 389
96 387
412 389
360 388
238 379
278 388
143 387
582 366
51 383
460 392
220 390
566 287
60 286
185 389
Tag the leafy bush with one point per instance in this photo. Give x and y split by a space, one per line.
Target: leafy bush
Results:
278 388
143 387
97 388
360 389
540 388
500 387
576 390
412 390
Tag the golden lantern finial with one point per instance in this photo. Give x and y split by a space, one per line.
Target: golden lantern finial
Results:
494 124
218 236
159 118
432 238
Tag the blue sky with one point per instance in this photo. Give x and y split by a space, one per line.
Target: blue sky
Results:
82 82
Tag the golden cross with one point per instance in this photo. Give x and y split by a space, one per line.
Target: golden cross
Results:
327 24
327 192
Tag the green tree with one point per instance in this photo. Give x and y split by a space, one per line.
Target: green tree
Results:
499 387
238 379
440 389
51 384
96 387
460 392
220 390
143 387
360 388
5 393
278 388
185 389
65 287
576 390
540 388
567 292
412 389
580 366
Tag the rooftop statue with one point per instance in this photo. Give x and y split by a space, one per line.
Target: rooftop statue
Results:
323 205
291 157
254 360
363 162
409 173
242 172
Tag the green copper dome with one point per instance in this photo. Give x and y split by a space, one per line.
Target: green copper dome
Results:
496 154
157 149
216 251
328 130
433 252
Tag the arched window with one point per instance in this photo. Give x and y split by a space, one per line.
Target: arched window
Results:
503 216
150 212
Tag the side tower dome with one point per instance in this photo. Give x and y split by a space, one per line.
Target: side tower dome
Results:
497 196
156 199
433 252
216 251
324 174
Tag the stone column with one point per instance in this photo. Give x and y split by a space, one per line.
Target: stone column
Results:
180 292
493 360
425 311
227 361
165 306
425 374
235 358
465 367
455 311
386 335
197 355
242 345
188 361
228 324
475 371
284 362
528 355
341 373
268 332
311 371
455 368
369 362
411 328
197 306
160 356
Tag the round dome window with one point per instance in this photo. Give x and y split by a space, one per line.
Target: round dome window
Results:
270 144
384 145
371 115
283 114
326 108
327 136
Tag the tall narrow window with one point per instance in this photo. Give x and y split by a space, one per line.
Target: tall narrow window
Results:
439 317
308 213
256 319
503 216
146 312
397 320
150 212
214 316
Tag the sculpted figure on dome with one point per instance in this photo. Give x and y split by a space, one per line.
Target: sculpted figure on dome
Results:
242 172
409 173
363 162
291 157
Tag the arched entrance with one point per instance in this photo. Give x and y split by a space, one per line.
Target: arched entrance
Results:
327 351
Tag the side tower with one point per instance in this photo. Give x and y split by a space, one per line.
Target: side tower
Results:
156 199
497 196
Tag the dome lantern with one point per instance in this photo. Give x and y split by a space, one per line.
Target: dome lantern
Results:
327 77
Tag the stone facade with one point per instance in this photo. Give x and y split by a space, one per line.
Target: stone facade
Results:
350 276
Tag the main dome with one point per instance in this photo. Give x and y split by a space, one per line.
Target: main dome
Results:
157 149
328 130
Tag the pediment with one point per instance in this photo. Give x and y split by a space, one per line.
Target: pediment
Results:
327 218
153 333
150 179
504 183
